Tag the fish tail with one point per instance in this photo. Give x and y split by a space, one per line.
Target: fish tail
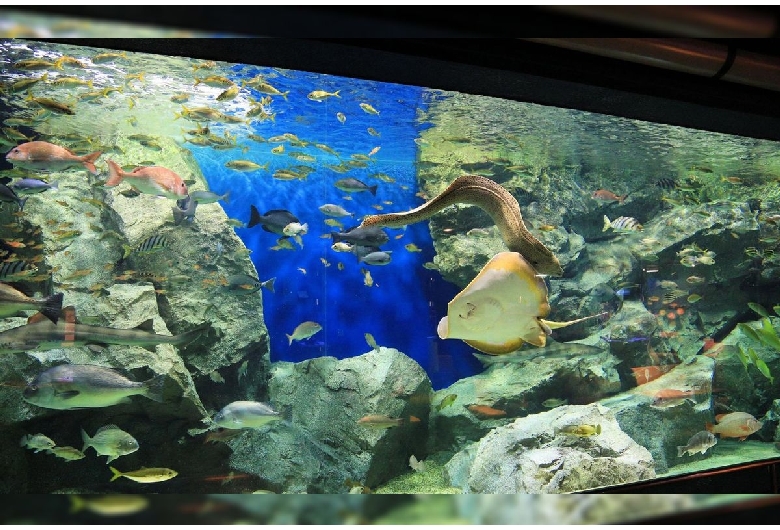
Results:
115 174
58 63
52 306
336 93
77 503
89 161
226 197
607 224
189 336
284 95
21 203
708 426
129 249
372 189
680 450
86 439
254 216
290 339
116 473
598 429
154 387
269 284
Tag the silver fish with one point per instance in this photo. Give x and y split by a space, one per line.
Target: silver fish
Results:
245 414
376 258
43 335
77 386
698 443
111 441
37 442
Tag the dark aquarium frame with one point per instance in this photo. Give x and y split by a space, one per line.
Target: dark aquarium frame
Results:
530 72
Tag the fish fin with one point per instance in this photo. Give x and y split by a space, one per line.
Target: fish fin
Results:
115 174
154 388
607 224
708 426
89 161
52 306
116 473
189 336
36 318
147 325
86 439
254 216
111 458
77 503
719 417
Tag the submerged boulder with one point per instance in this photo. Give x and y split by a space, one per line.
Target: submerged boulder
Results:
535 455
322 448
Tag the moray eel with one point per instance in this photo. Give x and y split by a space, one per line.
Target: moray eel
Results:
497 202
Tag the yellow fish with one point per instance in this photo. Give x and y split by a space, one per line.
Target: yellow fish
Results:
369 109
579 430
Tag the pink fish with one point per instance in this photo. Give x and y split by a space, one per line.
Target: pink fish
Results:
735 425
40 155
154 180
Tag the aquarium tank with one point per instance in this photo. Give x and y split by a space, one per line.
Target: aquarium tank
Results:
229 278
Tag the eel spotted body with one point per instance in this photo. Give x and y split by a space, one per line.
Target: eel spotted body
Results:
497 202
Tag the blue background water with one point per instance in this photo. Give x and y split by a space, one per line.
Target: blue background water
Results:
404 305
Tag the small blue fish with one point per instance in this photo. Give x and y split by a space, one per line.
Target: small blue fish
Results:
31 186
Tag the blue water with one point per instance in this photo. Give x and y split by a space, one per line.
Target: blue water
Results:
402 308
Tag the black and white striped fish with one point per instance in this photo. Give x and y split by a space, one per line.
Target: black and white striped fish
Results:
15 270
622 224
666 183
150 244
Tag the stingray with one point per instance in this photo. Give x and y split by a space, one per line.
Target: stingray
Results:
502 308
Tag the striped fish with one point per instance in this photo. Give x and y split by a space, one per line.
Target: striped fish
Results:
150 244
666 183
621 224
14 270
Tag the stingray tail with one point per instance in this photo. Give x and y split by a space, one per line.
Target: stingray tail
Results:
549 325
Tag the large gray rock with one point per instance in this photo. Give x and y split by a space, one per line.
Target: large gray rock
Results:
322 444
518 387
532 456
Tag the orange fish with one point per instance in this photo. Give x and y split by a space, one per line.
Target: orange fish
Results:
43 155
154 180
606 195
645 374
484 411
734 425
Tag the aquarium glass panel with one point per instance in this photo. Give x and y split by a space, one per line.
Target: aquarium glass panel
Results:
236 278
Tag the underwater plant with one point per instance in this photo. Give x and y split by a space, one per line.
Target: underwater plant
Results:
766 335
